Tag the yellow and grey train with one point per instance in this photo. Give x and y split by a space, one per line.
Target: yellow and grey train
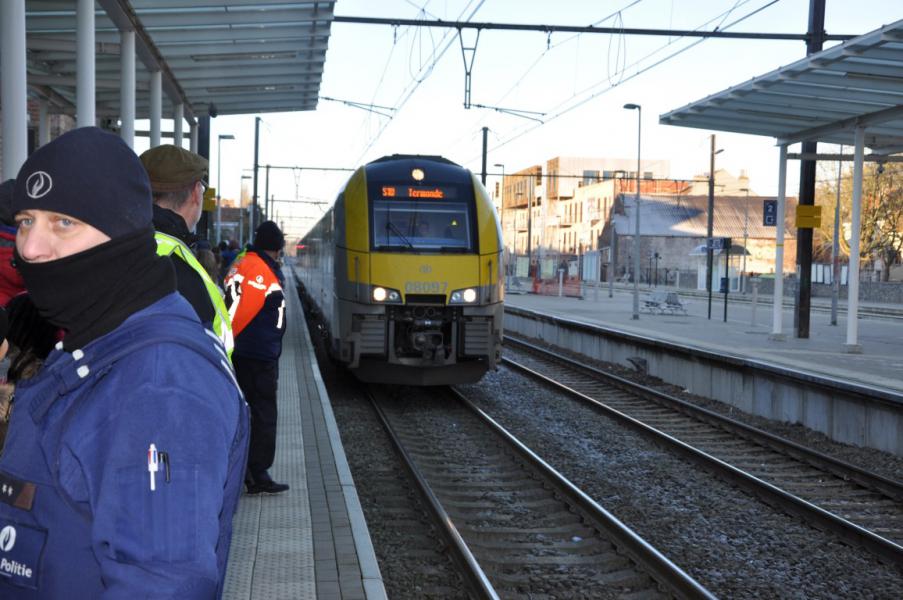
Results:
405 271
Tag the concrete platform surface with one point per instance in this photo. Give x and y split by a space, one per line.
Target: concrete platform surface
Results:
312 541
745 335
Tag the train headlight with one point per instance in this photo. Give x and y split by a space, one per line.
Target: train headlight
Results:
465 296
388 295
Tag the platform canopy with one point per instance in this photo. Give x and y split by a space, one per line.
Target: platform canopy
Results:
822 97
239 56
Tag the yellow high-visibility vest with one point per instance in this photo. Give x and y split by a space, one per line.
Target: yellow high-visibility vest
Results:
168 245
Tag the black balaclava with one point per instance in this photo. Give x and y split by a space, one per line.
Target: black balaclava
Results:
95 177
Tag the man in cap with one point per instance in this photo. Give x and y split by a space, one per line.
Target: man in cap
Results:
126 452
257 305
177 177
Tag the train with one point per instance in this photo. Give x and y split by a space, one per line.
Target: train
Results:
404 273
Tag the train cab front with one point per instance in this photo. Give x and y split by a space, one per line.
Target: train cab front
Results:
433 314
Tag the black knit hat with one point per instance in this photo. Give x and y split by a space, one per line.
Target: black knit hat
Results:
269 237
91 175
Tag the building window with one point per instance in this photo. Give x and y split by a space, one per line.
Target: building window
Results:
647 174
608 174
590 177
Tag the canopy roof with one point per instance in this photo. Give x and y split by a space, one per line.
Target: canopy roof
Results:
239 56
821 97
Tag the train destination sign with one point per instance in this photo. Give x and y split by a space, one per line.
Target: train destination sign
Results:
424 193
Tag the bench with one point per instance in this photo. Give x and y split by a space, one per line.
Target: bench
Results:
663 303
673 304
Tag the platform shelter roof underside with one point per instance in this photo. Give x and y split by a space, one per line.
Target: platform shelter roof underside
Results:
822 97
239 56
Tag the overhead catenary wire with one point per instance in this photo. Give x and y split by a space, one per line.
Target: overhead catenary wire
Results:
407 93
555 115
719 18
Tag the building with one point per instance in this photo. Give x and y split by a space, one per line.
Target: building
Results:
673 231
543 209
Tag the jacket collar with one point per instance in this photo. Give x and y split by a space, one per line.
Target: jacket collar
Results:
172 223
272 264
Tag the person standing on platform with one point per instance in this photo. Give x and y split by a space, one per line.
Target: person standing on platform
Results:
256 303
178 180
126 452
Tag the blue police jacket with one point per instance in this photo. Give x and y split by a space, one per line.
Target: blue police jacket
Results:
123 465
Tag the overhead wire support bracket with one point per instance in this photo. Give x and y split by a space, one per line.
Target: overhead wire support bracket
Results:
364 106
468 64
524 114
549 29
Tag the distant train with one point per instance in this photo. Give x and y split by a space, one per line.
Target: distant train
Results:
405 271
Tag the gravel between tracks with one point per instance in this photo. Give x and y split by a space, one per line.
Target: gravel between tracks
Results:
412 561
883 463
735 545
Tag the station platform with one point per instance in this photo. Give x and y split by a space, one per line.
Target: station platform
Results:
745 334
312 541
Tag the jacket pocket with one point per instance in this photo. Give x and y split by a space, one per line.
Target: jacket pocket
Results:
158 525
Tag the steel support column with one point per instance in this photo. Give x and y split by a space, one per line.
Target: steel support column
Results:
85 105
852 344
778 305
13 92
43 123
193 134
127 87
178 118
156 107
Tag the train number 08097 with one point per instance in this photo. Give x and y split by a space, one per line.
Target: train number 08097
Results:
425 287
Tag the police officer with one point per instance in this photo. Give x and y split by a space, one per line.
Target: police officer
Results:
257 304
126 453
178 181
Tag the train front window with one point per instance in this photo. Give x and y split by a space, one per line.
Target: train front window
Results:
422 225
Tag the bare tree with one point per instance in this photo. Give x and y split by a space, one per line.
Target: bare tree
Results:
882 213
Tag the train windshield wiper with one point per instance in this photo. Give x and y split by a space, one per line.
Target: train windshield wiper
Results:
391 226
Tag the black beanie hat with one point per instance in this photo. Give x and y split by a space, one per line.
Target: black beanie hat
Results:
269 237
91 175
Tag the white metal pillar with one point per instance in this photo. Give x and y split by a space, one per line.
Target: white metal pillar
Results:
852 344
177 119
43 123
193 133
127 87
156 107
13 92
778 305
85 105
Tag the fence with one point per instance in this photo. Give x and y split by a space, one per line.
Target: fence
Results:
550 268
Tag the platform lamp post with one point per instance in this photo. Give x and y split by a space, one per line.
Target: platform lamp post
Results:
241 213
502 204
710 225
745 238
636 237
219 193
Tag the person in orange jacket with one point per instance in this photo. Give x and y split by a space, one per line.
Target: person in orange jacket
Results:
256 305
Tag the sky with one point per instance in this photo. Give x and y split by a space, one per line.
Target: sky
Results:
580 82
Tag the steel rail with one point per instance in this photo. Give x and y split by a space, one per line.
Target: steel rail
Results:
476 577
851 532
642 552
889 487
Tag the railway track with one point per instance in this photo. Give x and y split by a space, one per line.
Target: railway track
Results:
861 507
514 525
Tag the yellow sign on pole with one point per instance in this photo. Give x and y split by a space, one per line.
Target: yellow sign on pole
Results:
808 216
210 199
